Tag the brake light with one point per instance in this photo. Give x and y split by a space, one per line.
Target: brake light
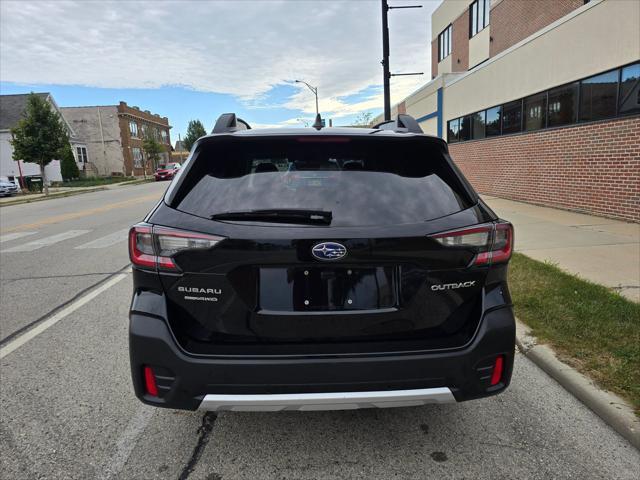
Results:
493 243
150 385
155 247
498 367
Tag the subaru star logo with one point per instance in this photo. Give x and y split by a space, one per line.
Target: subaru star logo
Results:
329 251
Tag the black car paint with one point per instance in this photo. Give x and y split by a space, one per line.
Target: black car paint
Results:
257 350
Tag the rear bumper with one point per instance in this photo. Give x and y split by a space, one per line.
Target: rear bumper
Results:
326 401
326 383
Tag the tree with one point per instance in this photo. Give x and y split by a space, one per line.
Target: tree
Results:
153 149
363 120
39 136
195 130
68 165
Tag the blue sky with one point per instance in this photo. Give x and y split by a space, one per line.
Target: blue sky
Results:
178 103
197 59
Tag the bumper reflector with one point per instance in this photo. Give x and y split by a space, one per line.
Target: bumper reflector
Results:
150 382
498 366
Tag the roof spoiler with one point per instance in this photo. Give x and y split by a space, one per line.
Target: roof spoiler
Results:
402 124
228 122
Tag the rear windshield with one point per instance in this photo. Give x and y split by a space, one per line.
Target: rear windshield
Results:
362 182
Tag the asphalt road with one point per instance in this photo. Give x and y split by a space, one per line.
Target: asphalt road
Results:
68 411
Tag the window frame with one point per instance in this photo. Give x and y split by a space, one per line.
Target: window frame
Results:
133 123
545 94
477 24
617 95
135 157
444 42
635 111
81 154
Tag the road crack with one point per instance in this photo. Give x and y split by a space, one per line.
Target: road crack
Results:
208 419
56 309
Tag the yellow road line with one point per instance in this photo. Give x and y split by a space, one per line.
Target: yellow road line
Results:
82 213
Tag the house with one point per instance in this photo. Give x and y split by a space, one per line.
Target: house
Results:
114 136
12 108
539 101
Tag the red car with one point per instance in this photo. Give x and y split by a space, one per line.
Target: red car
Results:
166 172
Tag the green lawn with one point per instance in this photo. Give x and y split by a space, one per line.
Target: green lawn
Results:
592 328
94 181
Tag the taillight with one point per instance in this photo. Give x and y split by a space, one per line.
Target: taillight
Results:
493 243
155 247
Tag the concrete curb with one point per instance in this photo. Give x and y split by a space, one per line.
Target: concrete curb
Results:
69 193
20 201
615 411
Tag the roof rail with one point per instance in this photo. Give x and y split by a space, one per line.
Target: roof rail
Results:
228 122
402 124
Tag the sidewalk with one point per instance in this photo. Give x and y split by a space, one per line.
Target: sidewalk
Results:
598 249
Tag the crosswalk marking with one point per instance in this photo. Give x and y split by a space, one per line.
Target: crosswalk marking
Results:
14 236
46 241
107 240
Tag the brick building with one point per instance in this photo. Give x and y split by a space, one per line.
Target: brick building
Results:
540 101
135 125
114 136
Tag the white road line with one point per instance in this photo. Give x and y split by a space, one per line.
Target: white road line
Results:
46 241
72 307
107 240
127 442
14 236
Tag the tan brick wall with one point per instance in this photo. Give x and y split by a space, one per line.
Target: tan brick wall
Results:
514 20
593 168
460 43
434 58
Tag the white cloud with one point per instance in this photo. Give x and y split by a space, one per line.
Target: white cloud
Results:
243 48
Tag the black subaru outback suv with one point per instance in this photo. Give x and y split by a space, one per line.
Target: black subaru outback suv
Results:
319 269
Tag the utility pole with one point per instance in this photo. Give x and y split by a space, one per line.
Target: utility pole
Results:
385 57
385 60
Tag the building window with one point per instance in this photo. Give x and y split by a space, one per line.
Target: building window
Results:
137 157
453 128
81 154
465 128
133 128
630 89
493 122
165 136
512 117
535 108
606 95
562 108
444 43
478 125
598 96
144 129
478 16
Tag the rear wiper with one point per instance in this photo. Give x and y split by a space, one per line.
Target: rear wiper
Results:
278 215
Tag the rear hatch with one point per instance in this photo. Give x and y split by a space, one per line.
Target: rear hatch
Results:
319 244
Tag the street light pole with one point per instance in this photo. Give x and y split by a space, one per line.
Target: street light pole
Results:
314 90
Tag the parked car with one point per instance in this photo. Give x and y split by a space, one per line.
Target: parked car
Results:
7 187
166 172
366 273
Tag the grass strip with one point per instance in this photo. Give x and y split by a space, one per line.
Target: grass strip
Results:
593 329
95 181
